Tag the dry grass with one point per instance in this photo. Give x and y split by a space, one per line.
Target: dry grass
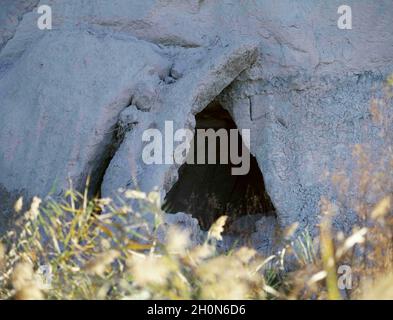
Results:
92 251
81 248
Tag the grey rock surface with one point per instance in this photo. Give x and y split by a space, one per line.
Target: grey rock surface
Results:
10 16
281 68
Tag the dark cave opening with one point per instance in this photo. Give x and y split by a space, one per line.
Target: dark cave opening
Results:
208 191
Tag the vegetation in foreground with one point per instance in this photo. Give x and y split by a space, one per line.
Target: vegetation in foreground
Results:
81 248
88 249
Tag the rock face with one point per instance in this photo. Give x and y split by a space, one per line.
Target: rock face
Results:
11 13
282 69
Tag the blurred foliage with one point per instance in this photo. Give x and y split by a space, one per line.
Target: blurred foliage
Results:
82 248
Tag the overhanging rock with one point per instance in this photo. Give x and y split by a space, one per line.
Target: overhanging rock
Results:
282 69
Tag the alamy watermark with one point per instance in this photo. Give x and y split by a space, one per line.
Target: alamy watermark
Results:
45 20
233 145
345 278
45 276
345 20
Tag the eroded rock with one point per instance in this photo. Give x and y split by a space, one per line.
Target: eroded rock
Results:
282 69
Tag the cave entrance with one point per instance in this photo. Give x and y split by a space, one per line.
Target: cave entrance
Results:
208 191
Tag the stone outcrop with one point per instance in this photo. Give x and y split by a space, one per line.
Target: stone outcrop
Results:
10 15
282 69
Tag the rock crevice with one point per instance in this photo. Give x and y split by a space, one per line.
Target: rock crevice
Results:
281 69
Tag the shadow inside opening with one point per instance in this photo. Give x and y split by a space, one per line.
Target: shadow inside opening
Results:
208 191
